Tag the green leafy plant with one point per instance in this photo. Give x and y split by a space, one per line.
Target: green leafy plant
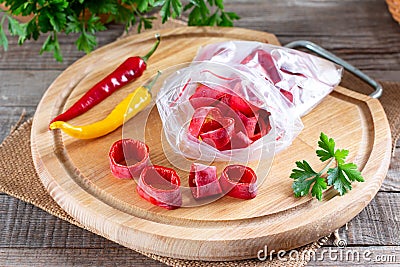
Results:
52 17
340 176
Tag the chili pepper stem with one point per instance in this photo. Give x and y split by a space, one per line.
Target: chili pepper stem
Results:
151 52
150 85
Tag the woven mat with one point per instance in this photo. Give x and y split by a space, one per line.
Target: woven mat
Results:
18 177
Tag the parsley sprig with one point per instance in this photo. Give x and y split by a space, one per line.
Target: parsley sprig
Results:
340 176
82 17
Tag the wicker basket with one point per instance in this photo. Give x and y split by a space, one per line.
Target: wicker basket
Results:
394 8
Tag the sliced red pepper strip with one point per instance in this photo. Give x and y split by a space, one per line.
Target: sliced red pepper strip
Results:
239 181
239 140
160 186
250 124
220 135
128 157
205 96
203 181
287 94
263 61
238 103
199 118
263 125
212 128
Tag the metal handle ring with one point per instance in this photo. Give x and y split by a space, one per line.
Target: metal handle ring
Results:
328 55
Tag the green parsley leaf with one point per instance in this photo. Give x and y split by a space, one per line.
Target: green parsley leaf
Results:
303 172
3 39
3 36
81 17
86 42
340 183
14 27
351 171
340 177
304 177
318 187
341 155
327 146
52 45
165 11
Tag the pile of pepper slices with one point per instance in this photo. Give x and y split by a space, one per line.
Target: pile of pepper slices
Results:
161 185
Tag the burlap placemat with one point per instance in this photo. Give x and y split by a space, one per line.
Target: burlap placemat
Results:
18 177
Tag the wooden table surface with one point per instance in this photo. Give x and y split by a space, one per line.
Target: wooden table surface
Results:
360 31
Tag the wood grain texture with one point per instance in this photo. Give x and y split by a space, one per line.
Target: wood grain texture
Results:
24 88
392 181
25 226
209 232
74 257
367 40
9 116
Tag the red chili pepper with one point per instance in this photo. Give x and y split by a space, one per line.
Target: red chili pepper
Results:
128 158
203 181
160 186
129 70
239 181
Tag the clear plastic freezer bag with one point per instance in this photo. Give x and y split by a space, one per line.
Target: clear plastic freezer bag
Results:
212 111
242 101
302 78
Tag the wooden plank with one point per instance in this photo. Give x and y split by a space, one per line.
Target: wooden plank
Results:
9 116
24 87
26 57
354 256
42 238
74 257
304 17
391 182
377 225
302 20
27 226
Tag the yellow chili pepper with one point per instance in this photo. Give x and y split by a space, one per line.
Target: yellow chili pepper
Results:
125 110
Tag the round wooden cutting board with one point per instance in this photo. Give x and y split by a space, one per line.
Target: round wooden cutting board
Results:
76 172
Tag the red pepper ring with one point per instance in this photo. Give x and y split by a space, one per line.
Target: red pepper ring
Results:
211 127
160 186
221 135
128 157
203 181
239 181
